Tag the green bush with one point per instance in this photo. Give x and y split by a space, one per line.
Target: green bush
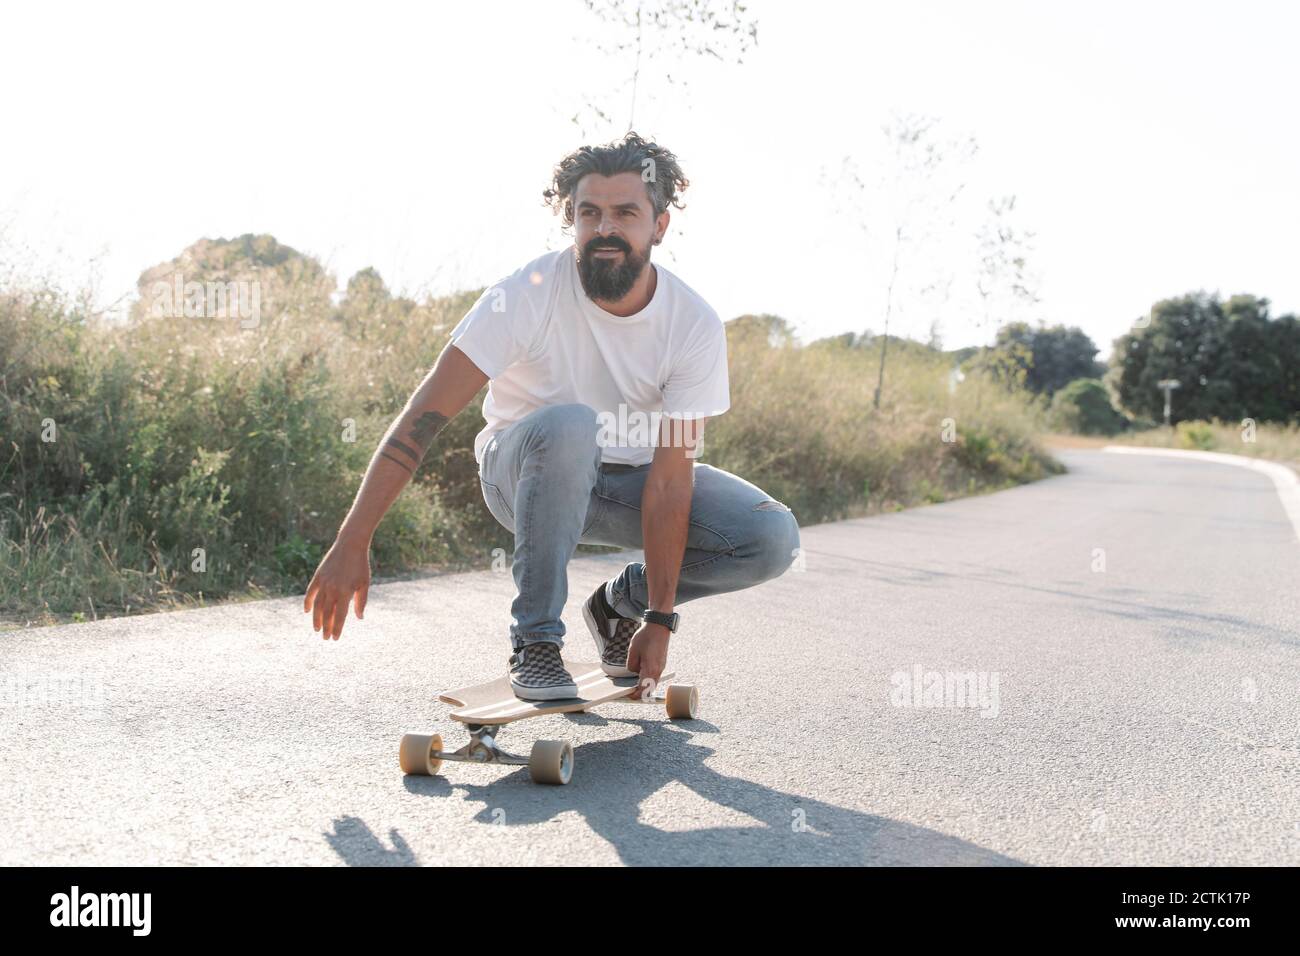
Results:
1084 408
1195 435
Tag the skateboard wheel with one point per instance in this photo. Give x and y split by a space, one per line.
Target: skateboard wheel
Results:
682 701
416 754
551 761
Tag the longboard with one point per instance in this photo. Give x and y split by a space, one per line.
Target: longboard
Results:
495 702
485 708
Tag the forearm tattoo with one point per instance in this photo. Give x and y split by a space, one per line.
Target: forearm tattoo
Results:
424 430
411 451
397 461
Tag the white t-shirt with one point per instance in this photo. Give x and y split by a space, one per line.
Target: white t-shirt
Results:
541 341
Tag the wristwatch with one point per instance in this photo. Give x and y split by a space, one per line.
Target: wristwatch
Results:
659 617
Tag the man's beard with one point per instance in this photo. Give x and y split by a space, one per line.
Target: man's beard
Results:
610 279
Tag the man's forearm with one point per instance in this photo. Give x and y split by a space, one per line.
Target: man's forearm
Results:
400 453
665 519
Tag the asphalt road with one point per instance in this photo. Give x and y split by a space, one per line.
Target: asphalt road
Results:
1129 634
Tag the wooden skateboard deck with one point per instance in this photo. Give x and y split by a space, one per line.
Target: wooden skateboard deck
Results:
483 708
495 702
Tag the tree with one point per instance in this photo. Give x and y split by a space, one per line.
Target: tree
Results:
1003 277
1286 347
1181 339
1042 359
1003 283
1050 357
651 30
912 197
368 306
1256 359
1233 360
773 330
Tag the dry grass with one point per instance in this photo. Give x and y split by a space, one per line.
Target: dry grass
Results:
803 427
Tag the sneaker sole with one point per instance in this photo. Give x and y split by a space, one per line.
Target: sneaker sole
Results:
557 692
611 670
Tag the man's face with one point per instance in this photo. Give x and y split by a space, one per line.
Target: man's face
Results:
614 227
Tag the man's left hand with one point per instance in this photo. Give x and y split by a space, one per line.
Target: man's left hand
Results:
648 656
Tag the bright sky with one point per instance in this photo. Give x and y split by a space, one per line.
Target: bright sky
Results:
1152 146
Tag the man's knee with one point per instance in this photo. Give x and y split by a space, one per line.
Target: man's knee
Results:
572 427
778 545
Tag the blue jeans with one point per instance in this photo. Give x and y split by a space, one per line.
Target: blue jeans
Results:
542 479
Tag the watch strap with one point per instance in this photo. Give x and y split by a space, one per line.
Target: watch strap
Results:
669 621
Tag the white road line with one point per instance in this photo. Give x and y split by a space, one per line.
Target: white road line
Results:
1286 481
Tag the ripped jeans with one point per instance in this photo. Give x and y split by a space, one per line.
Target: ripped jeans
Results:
542 479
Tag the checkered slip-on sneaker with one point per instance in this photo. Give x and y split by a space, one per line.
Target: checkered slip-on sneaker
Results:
538 673
611 633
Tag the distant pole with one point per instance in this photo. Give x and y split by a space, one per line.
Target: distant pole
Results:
1167 385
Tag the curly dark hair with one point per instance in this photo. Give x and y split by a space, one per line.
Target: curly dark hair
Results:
630 155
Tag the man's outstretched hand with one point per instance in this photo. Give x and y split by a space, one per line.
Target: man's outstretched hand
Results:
648 656
343 572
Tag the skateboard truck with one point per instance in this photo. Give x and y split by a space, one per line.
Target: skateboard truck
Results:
482 747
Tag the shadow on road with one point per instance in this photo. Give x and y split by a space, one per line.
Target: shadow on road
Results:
612 780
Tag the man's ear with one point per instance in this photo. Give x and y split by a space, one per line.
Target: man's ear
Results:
662 224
